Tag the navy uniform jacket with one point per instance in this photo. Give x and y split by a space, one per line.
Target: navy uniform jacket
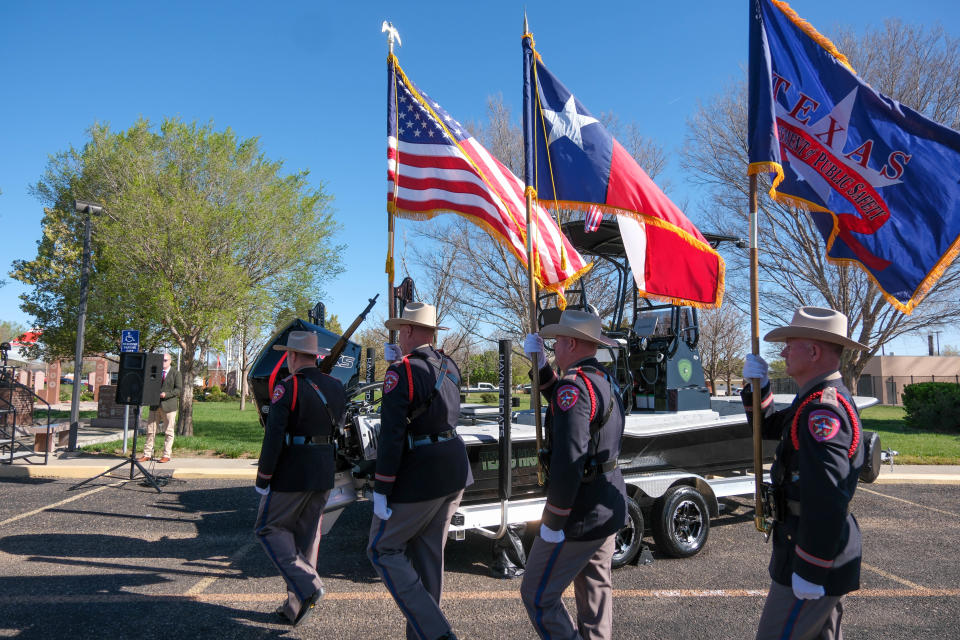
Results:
428 471
817 463
596 508
297 410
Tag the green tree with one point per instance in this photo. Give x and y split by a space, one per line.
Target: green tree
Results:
10 330
197 223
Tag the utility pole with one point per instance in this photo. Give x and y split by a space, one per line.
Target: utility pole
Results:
89 209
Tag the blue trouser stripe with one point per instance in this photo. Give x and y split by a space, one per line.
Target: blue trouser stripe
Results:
270 552
792 620
542 586
375 555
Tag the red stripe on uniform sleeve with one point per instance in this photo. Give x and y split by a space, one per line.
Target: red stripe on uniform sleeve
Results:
812 559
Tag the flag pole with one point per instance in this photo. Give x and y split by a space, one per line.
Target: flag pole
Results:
392 34
532 228
534 372
760 515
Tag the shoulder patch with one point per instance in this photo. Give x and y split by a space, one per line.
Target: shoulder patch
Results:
567 396
829 397
390 381
277 394
823 424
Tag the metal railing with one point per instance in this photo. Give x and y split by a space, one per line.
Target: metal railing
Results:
15 443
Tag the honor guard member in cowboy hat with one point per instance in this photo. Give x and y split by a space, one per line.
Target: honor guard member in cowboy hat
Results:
422 469
816 541
586 497
295 473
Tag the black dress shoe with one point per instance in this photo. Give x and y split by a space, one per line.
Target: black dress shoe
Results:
449 635
306 608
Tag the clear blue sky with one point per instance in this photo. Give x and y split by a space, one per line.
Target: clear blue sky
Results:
308 78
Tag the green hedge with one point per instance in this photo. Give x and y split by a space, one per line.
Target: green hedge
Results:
932 406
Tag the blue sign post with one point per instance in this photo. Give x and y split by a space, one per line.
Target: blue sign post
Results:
129 340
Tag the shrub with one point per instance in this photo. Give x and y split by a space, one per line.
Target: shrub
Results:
932 406
200 394
489 398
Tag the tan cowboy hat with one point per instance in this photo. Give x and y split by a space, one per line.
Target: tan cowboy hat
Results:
418 314
302 342
577 324
816 323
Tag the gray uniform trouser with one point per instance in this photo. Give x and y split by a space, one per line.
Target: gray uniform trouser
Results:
784 616
550 570
288 527
407 552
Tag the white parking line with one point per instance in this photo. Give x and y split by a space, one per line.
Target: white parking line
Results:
57 504
890 576
204 583
883 495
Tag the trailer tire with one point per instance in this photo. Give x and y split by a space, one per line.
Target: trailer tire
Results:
871 456
629 540
681 522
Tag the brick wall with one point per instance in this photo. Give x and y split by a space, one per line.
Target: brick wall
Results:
22 400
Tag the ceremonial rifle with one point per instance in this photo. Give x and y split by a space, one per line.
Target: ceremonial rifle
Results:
327 364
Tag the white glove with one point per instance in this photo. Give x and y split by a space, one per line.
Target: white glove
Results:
380 508
551 536
533 344
755 367
263 492
805 590
391 352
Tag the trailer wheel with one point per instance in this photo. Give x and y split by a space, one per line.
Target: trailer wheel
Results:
871 456
629 540
681 522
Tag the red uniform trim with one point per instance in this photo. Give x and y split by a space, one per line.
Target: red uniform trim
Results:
593 396
812 559
851 414
273 374
406 363
293 403
383 478
557 510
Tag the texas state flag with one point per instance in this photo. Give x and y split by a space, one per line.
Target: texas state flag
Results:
573 162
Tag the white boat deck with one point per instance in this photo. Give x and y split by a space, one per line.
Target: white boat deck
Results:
479 422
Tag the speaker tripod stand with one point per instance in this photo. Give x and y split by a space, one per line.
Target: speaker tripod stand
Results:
132 460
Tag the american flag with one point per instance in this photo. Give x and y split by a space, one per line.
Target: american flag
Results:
435 166
594 217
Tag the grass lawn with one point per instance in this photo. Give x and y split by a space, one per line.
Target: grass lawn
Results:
219 429
915 447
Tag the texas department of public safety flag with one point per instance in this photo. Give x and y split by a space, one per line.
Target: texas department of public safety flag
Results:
572 161
879 179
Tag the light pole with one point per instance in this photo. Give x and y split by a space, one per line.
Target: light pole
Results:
938 341
90 209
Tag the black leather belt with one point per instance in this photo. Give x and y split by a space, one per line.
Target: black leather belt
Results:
591 472
300 440
421 441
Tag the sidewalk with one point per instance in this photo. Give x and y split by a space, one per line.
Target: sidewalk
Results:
83 465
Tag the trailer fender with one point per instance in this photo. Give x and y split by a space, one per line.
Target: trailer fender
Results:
646 488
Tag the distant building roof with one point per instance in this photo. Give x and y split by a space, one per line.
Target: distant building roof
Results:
27 337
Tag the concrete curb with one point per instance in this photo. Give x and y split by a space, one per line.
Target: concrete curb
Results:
245 469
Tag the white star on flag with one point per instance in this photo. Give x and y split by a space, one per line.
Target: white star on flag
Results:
567 123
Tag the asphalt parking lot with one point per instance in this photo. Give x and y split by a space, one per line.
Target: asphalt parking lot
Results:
122 561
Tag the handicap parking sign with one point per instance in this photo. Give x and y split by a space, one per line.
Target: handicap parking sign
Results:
129 340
